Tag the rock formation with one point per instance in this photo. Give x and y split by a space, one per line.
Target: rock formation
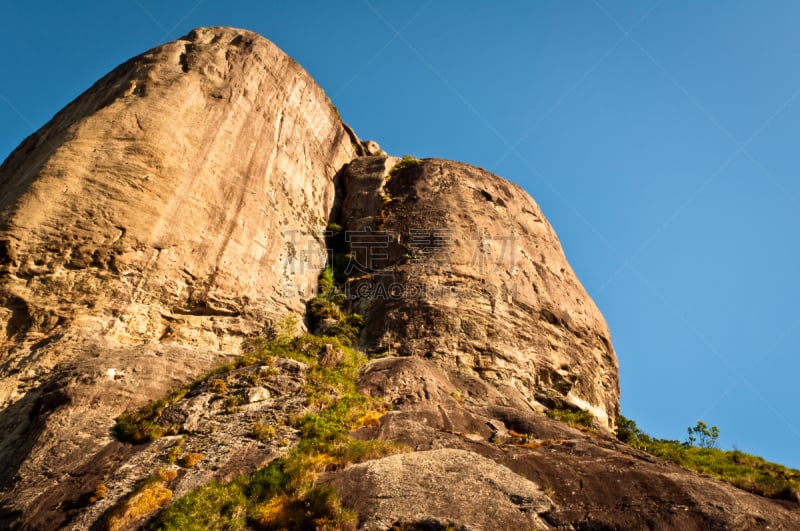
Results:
178 209
461 266
172 210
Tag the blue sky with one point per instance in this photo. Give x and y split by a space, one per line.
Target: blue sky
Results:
659 138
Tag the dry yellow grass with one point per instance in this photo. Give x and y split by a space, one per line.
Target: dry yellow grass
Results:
371 419
99 493
273 514
219 386
146 502
165 475
263 432
191 459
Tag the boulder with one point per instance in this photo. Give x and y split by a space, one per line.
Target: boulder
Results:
440 489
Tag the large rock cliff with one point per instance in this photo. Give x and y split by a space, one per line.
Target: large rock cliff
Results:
187 202
171 211
461 266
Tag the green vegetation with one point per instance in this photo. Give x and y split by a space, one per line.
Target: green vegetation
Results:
331 302
263 432
176 451
572 417
406 162
142 425
256 500
701 436
334 228
699 454
139 426
283 495
336 242
335 110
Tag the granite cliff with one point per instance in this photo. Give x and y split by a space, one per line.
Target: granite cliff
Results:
185 205
147 230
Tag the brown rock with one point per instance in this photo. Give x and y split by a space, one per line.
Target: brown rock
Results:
440 489
330 356
595 481
257 394
459 265
172 210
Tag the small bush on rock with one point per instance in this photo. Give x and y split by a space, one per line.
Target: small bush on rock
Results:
572 417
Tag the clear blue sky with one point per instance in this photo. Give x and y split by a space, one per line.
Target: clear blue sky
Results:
660 139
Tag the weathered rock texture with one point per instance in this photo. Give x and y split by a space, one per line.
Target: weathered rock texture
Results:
399 491
593 480
170 211
177 208
210 426
461 266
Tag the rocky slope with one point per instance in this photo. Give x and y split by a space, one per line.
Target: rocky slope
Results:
591 479
176 210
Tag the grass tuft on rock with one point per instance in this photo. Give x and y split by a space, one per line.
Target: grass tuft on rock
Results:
148 497
573 417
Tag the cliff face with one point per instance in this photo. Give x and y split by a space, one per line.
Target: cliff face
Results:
461 266
177 209
171 211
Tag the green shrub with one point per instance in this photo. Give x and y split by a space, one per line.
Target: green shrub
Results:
219 386
286 328
340 262
330 303
262 432
140 426
215 505
406 162
573 417
233 404
176 451
355 451
628 432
